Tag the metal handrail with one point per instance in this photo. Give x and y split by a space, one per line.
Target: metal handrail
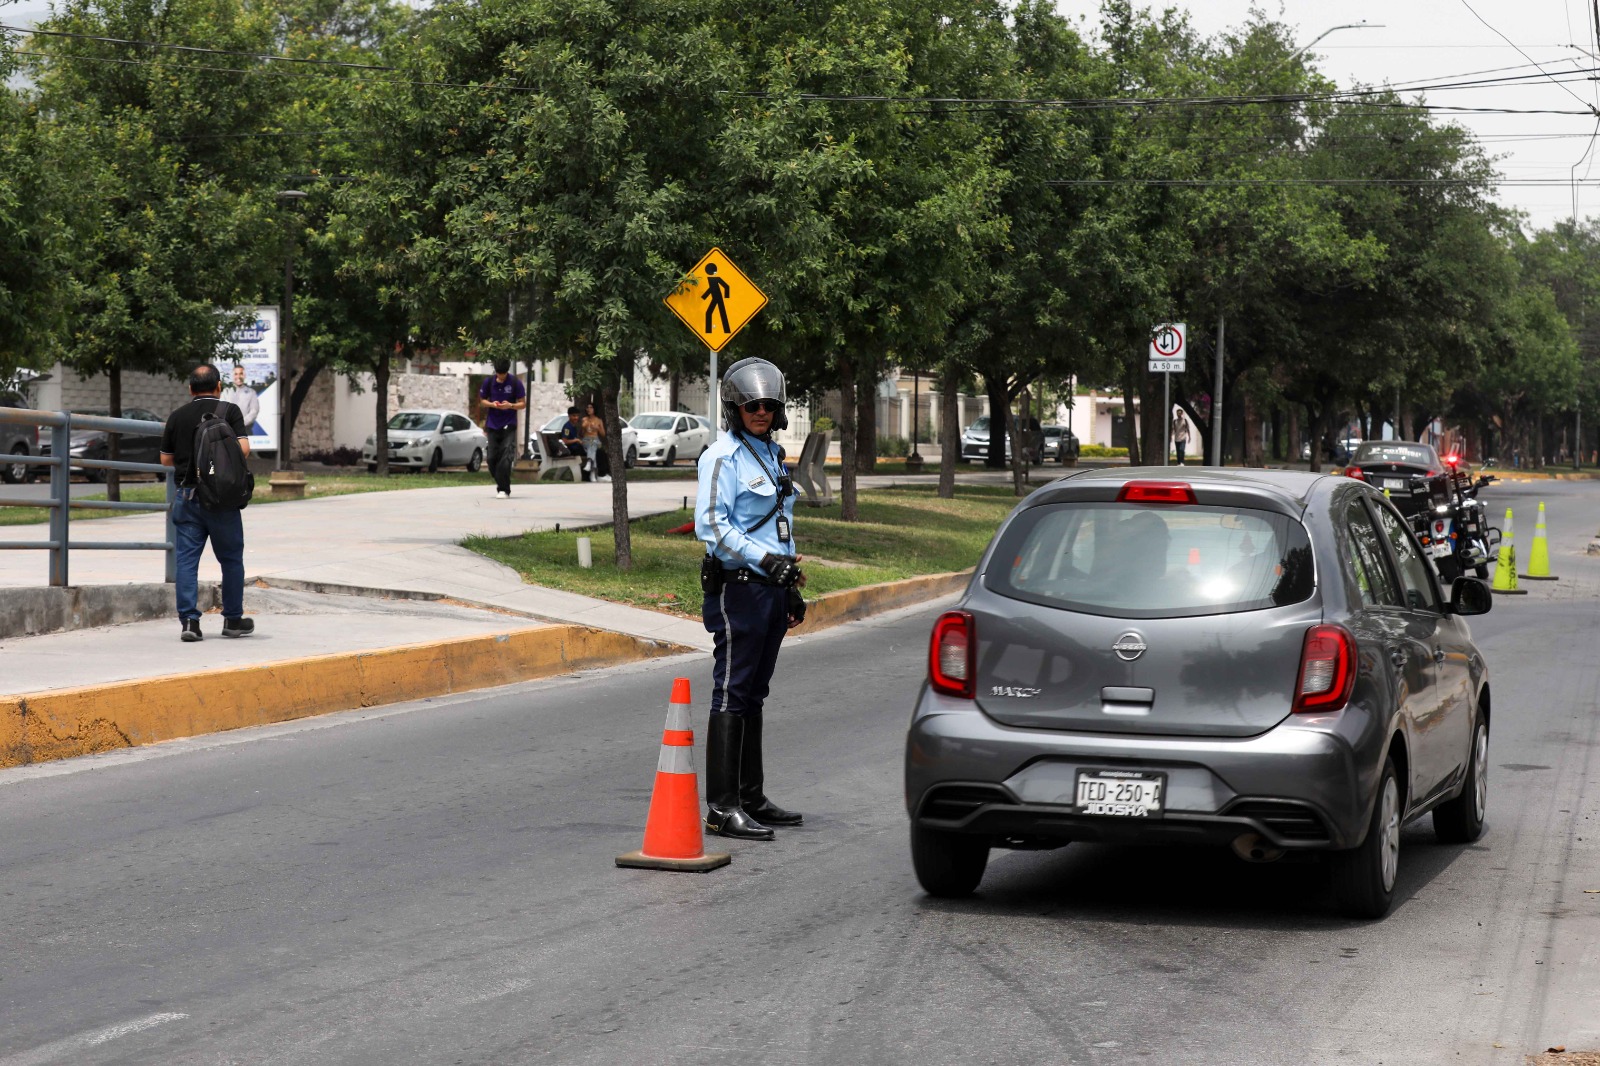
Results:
60 461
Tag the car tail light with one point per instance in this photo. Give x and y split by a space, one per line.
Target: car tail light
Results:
1156 492
1327 670
950 654
1355 472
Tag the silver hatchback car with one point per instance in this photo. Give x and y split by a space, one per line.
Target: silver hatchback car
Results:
1261 659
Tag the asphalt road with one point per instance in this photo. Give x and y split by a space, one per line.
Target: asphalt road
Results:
434 884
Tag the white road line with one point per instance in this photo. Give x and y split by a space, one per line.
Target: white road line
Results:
61 1049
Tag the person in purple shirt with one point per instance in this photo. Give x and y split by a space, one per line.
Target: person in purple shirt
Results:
503 395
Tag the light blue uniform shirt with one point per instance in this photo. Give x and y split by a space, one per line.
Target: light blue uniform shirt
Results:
736 491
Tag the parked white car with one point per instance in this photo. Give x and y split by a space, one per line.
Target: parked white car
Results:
630 439
667 436
427 440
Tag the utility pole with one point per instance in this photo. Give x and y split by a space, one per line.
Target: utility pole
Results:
288 198
1216 394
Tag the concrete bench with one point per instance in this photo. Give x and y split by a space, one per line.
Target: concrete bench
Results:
553 458
810 472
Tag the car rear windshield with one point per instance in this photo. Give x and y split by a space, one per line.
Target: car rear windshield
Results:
1153 562
1390 452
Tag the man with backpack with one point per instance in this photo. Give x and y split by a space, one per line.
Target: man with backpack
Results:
205 442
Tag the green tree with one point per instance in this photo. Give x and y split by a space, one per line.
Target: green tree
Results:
35 242
166 159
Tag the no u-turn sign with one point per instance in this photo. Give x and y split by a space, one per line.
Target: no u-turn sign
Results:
1169 343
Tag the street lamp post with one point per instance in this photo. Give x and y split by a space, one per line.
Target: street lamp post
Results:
1298 52
287 197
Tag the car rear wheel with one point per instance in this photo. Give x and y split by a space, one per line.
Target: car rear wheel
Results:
434 461
948 864
1460 821
15 473
476 462
1364 876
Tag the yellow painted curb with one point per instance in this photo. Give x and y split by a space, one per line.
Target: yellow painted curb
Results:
42 726
851 604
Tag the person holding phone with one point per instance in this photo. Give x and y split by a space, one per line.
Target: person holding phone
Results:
503 395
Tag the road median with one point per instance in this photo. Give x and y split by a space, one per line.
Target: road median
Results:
61 724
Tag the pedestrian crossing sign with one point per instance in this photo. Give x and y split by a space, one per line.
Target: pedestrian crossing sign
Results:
716 300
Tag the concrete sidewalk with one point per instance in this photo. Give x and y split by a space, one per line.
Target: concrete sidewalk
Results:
348 574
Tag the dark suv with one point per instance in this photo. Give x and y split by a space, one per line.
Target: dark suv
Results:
16 440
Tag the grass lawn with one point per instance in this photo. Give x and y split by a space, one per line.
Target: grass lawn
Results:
903 532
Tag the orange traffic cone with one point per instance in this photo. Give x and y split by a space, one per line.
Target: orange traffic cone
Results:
672 836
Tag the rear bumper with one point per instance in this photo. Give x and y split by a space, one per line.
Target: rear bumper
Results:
1299 787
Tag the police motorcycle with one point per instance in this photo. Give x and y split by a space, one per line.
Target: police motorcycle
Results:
1450 521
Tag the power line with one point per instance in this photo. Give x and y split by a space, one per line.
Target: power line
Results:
268 56
1334 182
1503 37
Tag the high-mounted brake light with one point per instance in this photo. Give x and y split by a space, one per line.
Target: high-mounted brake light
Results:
1327 670
951 652
1355 472
1156 492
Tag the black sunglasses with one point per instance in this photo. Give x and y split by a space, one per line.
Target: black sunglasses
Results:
772 407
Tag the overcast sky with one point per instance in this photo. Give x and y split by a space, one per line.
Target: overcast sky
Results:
1416 40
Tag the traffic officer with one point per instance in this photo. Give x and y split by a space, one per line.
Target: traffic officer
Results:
744 513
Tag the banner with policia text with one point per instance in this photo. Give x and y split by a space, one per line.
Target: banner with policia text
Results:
255 346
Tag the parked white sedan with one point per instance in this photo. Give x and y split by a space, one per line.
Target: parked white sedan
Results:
427 440
667 436
630 439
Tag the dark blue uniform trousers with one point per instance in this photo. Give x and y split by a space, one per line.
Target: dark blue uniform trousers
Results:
747 622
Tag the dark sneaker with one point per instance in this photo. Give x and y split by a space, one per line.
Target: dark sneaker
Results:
191 631
238 627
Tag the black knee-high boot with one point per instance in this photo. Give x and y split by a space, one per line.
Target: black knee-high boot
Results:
724 749
752 781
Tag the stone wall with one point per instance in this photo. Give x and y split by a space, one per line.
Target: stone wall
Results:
428 391
69 391
313 429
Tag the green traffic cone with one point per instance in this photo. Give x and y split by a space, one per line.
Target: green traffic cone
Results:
1539 553
1505 567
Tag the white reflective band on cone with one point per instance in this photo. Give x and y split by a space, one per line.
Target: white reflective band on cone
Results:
676 759
678 716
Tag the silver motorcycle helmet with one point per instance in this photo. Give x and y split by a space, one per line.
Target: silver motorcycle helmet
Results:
753 379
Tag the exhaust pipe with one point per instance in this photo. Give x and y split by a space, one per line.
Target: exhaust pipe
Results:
1253 847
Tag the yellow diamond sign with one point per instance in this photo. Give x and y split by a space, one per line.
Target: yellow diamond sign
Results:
716 300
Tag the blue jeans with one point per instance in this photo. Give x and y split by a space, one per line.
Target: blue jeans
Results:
193 525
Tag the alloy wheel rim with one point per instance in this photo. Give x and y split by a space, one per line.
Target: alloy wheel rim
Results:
1480 772
1391 833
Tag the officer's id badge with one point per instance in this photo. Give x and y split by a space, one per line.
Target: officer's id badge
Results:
758 481
783 529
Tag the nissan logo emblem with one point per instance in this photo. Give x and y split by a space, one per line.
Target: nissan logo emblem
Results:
1129 646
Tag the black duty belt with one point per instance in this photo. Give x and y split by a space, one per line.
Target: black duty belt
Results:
745 575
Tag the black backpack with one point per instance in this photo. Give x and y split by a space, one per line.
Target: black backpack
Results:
222 480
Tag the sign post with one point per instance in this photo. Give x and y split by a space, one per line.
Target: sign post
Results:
1169 344
715 300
